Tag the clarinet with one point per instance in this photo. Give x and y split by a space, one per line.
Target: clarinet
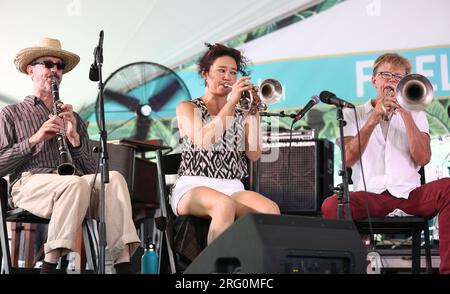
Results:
65 166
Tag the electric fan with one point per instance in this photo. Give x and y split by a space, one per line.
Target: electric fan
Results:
6 100
140 100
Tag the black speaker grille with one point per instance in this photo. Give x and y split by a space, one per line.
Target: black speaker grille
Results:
297 182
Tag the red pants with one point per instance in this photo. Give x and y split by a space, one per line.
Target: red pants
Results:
426 201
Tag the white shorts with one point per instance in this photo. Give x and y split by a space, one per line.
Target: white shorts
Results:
186 183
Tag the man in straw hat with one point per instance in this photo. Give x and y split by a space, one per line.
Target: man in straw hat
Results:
29 154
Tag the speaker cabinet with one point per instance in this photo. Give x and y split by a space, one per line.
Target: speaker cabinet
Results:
258 243
297 178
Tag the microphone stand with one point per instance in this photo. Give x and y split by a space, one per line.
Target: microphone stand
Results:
280 114
341 190
103 161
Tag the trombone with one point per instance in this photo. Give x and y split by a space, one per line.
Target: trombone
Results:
414 92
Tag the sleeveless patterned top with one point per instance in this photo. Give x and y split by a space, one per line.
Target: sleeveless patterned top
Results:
224 160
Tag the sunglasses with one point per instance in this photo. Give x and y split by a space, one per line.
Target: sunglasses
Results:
50 64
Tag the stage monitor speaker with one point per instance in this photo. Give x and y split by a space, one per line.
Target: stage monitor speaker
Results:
298 182
274 244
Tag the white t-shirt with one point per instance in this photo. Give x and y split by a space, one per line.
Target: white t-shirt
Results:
387 163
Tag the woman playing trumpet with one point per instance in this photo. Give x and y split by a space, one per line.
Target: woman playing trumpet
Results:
216 139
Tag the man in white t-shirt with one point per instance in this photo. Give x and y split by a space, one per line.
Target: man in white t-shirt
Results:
395 144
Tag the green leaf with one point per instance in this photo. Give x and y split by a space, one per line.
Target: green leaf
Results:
239 40
330 130
438 119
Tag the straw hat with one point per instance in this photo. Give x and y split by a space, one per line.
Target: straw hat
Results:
45 47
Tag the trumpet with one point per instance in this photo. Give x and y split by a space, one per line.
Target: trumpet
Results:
414 92
269 91
65 166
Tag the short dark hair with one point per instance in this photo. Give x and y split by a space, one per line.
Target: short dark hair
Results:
218 50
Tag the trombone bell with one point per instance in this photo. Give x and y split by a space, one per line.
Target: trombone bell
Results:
414 92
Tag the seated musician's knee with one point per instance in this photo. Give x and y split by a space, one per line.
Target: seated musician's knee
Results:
329 206
271 208
79 184
225 206
116 176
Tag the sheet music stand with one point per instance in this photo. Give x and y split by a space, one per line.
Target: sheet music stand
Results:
144 145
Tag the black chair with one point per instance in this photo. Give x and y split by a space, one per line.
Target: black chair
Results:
8 214
411 225
183 237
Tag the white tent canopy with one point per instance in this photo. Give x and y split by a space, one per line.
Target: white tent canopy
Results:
358 26
168 32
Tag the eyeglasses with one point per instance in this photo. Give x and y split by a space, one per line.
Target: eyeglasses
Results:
61 65
388 75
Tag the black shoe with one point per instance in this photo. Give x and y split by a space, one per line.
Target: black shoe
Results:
48 268
123 268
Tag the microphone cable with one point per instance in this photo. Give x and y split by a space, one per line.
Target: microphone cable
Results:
366 195
92 185
289 155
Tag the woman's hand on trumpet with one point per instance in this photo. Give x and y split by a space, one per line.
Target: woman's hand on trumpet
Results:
237 89
252 99
254 108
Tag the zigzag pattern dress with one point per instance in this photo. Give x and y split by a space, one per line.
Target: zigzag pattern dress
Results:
226 159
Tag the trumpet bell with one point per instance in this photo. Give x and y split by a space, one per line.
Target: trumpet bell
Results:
270 91
414 92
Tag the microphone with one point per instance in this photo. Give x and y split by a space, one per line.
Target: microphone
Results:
93 71
314 100
330 98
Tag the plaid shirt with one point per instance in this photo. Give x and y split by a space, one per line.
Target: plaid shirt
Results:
18 122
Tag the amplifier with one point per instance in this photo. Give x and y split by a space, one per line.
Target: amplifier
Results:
298 176
301 135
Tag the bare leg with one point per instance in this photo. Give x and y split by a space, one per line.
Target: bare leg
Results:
249 201
209 203
53 256
223 209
